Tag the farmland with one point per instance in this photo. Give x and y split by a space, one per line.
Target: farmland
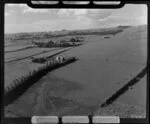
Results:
107 60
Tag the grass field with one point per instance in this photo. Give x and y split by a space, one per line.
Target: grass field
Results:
104 65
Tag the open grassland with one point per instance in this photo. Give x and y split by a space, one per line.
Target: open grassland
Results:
23 64
104 66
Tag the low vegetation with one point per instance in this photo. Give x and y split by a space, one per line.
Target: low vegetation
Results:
62 43
62 33
39 60
106 37
21 84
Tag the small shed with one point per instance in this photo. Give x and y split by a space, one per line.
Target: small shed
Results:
59 59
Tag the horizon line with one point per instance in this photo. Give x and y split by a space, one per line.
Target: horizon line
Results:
70 30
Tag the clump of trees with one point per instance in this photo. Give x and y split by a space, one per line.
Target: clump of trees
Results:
76 39
62 43
48 44
39 60
106 37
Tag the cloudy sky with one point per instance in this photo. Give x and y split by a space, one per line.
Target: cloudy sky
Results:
21 18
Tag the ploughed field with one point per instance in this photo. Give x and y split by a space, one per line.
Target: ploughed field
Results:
105 64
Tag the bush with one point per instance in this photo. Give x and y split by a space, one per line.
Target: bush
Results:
39 60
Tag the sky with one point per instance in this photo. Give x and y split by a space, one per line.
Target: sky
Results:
21 18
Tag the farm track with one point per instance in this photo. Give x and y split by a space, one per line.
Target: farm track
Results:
37 54
122 90
11 51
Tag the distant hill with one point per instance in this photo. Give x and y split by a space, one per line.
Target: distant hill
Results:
41 35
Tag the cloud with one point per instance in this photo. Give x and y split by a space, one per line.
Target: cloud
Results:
99 14
28 19
94 14
10 5
31 10
64 13
27 9
112 21
6 13
15 5
24 8
71 12
80 12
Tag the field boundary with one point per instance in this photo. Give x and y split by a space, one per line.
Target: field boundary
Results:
21 49
123 89
36 54
23 83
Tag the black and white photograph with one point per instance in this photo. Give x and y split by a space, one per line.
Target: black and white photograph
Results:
79 62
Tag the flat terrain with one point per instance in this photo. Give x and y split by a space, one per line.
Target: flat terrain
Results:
22 64
104 65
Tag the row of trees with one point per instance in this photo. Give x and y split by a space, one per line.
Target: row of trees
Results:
21 84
